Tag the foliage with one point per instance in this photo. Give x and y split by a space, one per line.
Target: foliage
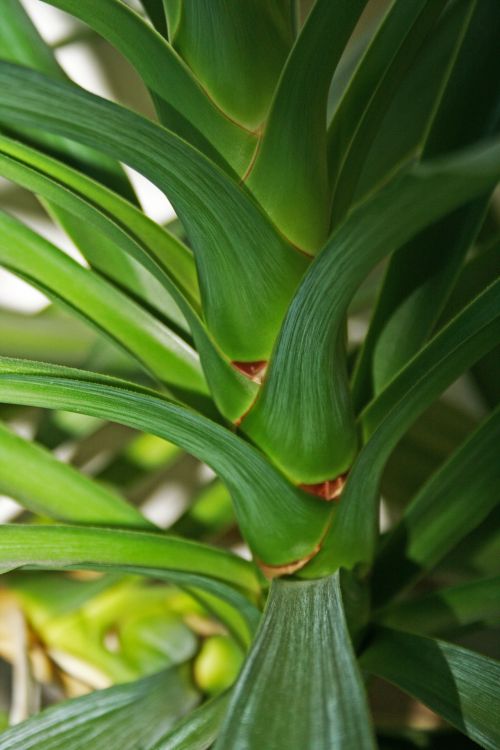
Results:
332 164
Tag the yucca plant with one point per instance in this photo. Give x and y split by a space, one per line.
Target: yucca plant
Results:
328 162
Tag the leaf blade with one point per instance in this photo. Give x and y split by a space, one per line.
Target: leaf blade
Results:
458 684
130 713
303 632
262 497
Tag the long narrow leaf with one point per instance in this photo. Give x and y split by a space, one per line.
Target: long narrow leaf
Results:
280 699
304 416
163 71
459 685
420 276
127 716
236 248
199 729
353 535
165 354
449 506
132 235
20 42
59 547
293 148
280 523
352 131
449 609
57 490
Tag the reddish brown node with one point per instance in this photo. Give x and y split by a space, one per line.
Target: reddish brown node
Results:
254 371
329 490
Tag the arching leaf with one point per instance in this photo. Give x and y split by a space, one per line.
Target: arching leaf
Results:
281 524
52 488
236 248
304 416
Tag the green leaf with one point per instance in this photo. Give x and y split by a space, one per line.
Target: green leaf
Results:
236 248
455 500
60 339
132 235
165 354
69 189
474 276
304 416
129 716
20 42
420 276
300 685
281 523
163 71
353 535
61 547
449 609
227 604
292 151
459 685
57 490
428 442
236 50
358 116
199 729
156 13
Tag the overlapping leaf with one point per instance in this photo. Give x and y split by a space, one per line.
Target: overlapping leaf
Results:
165 354
421 275
184 106
461 686
289 175
357 118
280 523
304 417
237 250
133 235
57 490
60 547
450 505
280 698
353 535
132 715
236 51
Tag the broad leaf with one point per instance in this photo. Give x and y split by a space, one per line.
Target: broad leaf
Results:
293 148
236 248
300 685
459 685
54 489
127 716
304 416
281 523
353 535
